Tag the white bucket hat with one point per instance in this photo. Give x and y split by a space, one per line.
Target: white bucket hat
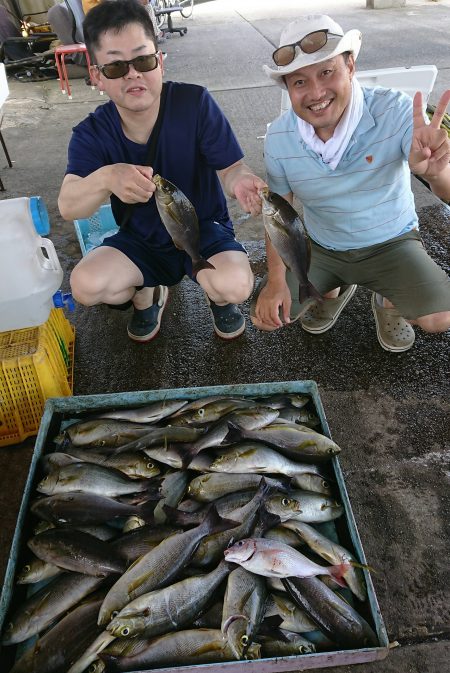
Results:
337 43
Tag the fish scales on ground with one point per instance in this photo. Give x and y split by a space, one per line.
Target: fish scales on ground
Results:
180 219
289 237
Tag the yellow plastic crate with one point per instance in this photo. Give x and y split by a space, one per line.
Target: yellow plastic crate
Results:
35 363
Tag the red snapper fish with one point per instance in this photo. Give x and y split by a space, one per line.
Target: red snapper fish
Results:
276 559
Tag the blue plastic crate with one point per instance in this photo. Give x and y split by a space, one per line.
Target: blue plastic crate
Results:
92 230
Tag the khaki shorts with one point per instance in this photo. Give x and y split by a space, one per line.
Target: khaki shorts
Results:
399 269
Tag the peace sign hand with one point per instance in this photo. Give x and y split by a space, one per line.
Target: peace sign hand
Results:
430 148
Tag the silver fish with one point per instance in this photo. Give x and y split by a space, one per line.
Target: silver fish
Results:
80 509
312 508
40 610
294 618
288 235
333 553
209 487
134 465
170 608
180 219
294 441
160 566
37 570
76 551
243 609
151 413
334 616
258 457
191 647
63 643
291 644
100 433
90 478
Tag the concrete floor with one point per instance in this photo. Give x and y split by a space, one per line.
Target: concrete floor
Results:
390 413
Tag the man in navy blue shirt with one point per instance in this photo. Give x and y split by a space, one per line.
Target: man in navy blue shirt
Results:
196 150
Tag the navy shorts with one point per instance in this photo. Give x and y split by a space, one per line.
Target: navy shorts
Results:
166 265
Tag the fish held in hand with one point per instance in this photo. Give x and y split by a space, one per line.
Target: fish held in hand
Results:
288 235
180 219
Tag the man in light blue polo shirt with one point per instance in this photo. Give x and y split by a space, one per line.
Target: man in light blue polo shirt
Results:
347 153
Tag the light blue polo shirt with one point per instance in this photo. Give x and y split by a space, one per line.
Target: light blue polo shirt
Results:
367 199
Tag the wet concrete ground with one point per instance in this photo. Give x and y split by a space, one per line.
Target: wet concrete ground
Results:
389 413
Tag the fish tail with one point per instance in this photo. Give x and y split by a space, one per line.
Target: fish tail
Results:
146 510
201 264
214 523
181 518
337 573
308 291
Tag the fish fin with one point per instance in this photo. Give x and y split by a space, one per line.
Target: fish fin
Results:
112 663
234 433
308 291
214 523
201 264
270 626
181 518
337 573
364 566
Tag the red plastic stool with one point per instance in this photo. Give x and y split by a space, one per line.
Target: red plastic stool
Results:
60 53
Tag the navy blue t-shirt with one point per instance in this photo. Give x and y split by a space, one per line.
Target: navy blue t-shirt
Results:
195 141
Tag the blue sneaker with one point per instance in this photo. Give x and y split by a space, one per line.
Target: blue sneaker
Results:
228 321
145 323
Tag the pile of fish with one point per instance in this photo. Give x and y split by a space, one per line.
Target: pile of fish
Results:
184 533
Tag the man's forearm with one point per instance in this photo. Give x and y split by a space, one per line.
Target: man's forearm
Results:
440 185
231 175
81 197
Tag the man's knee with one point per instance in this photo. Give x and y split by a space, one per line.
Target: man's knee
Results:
86 287
436 322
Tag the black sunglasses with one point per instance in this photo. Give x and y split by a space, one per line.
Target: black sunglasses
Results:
308 44
118 69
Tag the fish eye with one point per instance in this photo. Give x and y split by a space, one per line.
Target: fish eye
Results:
101 442
125 631
26 569
285 502
244 639
330 451
114 614
325 484
201 412
150 466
